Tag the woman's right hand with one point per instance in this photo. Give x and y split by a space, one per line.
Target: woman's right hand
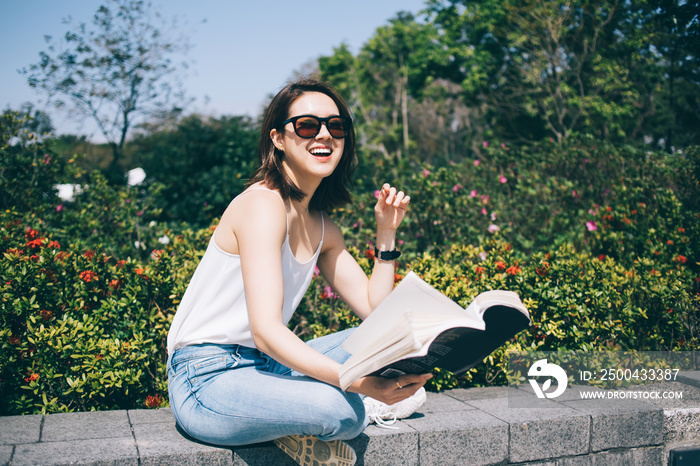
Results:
390 391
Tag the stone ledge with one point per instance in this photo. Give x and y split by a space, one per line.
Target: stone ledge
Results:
462 426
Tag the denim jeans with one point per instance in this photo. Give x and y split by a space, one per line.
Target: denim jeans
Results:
234 395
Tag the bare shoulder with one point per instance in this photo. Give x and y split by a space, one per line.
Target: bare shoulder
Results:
255 214
333 236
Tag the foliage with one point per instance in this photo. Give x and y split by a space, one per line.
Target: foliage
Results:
200 164
83 330
598 235
28 170
434 89
114 70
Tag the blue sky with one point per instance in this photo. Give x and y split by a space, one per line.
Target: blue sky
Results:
242 50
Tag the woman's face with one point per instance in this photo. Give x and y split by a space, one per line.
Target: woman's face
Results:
309 160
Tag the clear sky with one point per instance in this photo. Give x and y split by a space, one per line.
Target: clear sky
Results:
243 50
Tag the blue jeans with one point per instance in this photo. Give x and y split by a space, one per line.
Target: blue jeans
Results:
234 395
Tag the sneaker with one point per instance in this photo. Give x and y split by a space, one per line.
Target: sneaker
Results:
309 450
385 415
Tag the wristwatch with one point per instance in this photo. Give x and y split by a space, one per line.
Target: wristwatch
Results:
386 255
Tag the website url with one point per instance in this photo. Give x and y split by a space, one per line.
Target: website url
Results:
630 395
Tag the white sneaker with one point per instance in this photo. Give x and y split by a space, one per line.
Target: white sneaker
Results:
385 415
309 450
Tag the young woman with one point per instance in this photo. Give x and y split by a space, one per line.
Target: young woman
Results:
237 374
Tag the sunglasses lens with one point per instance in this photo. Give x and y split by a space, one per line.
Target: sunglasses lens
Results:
307 127
337 128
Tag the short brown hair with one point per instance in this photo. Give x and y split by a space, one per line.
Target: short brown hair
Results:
334 190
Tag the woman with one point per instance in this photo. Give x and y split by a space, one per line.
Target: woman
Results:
237 374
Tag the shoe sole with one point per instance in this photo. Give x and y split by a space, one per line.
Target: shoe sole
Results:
307 450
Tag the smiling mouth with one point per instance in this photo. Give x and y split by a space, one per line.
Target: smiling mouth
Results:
321 152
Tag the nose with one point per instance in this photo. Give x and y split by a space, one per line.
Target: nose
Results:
323 132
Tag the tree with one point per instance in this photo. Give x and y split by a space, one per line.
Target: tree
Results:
383 82
202 163
116 70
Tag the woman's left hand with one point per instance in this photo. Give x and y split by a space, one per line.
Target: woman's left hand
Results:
391 207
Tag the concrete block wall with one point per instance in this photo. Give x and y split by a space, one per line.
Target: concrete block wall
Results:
458 427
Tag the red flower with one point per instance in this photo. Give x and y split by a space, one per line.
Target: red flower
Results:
397 277
369 254
500 266
32 378
35 243
54 245
601 257
513 270
139 271
120 263
46 314
480 270
114 284
544 270
31 233
681 230
15 340
62 255
88 276
89 254
154 401
682 259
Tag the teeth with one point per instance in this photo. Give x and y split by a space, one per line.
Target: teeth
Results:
321 151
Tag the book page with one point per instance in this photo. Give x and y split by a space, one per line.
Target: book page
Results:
411 295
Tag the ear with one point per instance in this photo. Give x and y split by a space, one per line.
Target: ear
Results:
276 137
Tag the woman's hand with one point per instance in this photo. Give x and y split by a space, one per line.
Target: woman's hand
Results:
390 391
391 208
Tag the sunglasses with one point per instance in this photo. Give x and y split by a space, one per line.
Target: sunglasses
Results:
308 126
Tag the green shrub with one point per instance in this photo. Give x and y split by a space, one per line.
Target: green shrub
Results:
82 330
601 242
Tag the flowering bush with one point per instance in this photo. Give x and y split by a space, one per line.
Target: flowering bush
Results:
80 329
601 243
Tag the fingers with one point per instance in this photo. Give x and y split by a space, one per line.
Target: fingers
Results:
389 195
414 381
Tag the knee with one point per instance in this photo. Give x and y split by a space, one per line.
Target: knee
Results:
345 418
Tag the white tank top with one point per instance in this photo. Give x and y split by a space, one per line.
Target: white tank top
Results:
213 308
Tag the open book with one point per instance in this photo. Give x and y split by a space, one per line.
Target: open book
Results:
417 328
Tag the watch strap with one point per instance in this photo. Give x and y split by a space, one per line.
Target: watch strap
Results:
386 255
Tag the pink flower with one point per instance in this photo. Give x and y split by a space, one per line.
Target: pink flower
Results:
473 193
376 194
59 207
317 272
327 293
426 172
493 228
457 187
591 226
477 162
503 179
483 211
503 145
486 144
